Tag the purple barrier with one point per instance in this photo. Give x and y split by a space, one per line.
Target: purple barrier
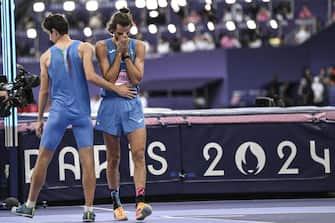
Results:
64 174
202 152
258 158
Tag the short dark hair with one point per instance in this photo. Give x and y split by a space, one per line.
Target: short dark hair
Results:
57 22
122 17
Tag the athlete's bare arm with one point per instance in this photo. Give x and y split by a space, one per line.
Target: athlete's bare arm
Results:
44 90
86 51
135 70
110 72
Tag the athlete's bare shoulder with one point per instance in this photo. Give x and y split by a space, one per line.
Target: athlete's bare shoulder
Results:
85 46
140 47
100 43
140 42
45 57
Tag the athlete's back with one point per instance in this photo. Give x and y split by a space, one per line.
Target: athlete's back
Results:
69 89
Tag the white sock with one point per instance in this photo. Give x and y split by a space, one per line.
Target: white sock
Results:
30 204
88 208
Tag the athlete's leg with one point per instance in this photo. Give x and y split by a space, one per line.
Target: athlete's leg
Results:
39 173
113 154
137 140
83 132
52 134
113 160
89 180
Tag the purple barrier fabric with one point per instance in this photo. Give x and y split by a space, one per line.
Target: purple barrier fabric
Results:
64 174
202 158
257 158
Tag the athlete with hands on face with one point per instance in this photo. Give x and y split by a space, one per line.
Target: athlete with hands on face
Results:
121 60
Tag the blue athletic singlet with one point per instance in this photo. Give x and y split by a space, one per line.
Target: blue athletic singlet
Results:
118 115
70 102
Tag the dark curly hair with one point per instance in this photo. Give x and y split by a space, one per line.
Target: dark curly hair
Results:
122 17
57 22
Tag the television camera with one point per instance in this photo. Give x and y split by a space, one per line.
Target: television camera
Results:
19 92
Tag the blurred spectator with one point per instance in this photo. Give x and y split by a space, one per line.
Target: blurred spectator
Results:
204 41
263 15
272 88
252 10
227 15
302 34
29 23
193 17
255 40
305 91
318 91
283 11
95 21
187 45
229 41
175 44
237 13
330 73
163 46
305 12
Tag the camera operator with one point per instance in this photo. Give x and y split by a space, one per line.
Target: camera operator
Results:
3 96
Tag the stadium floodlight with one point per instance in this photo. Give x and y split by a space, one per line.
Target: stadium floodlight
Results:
210 26
87 31
266 0
153 29
175 6
69 6
133 30
31 33
153 14
140 4
273 24
152 4
119 4
162 3
230 1
39 7
248 1
182 3
230 25
251 24
191 27
208 7
92 5
172 28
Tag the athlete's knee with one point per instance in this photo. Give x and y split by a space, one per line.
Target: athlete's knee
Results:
44 157
138 155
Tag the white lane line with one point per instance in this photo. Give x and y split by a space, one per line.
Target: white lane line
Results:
221 220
